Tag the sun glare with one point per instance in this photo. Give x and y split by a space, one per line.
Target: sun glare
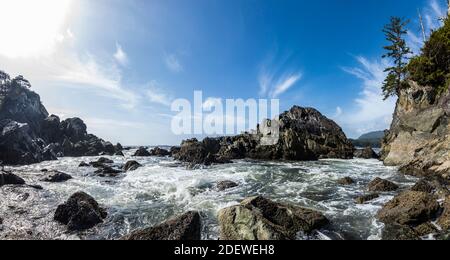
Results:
31 27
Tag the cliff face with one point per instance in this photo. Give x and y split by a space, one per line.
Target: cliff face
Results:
419 138
29 135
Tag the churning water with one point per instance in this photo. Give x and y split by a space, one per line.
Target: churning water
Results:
163 188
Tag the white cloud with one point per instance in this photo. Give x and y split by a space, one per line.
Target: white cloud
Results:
338 112
156 94
173 63
369 111
65 67
285 84
120 55
273 87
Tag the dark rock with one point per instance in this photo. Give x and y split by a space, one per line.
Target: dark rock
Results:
80 212
174 150
57 176
159 152
380 185
131 166
366 198
29 135
20 145
186 227
107 171
409 208
36 187
346 181
425 229
142 152
258 218
423 186
225 185
104 160
304 135
120 153
366 153
399 232
84 164
7 178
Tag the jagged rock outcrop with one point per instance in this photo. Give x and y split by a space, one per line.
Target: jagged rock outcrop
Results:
366 153
186 227
381 185
80 212
419 138
29 135
304 134
258 218
159 152
7 178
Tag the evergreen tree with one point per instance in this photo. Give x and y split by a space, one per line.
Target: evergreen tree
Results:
398 52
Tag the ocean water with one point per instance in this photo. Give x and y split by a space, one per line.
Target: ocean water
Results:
163 188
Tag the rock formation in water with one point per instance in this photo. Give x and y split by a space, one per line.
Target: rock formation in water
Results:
185 227
29 135
258 218
304 134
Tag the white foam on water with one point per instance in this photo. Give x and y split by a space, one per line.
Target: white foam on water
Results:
162 188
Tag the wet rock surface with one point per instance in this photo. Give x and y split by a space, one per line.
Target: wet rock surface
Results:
8 178
80 212
225 185
366 198
381 185
56 176
366 153
131 166
346 181
258 218
142 152
185 227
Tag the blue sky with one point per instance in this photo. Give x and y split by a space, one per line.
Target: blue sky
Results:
119 64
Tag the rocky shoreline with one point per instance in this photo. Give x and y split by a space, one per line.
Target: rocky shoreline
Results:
30 135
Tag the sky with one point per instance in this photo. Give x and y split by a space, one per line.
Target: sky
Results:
119 65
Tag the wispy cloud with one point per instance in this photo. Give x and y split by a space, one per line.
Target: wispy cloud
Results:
273 85
120 55
369 111
173 63
156 94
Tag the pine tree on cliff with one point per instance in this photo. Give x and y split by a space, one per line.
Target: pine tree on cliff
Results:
398 52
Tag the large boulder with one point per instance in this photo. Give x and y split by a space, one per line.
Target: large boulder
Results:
80 212
366 153
304 134
159 152
225 185
56 176
7 178
142 152
258 218
131 166
409 208
381 185
185 227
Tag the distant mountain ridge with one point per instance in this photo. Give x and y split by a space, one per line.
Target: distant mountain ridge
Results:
372 139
